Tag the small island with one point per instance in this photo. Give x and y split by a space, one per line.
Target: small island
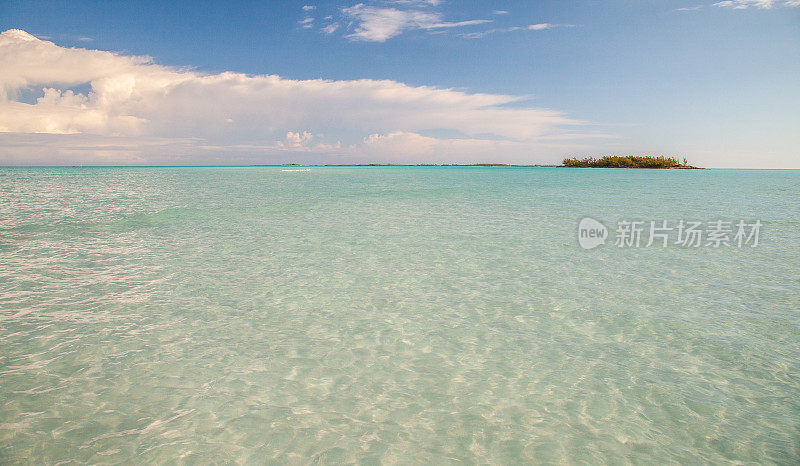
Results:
628 161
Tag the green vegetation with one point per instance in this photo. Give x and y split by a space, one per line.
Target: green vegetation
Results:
627 161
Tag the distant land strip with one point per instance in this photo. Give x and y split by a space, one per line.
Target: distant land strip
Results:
610 161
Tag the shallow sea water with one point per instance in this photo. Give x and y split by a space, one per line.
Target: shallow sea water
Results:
393 315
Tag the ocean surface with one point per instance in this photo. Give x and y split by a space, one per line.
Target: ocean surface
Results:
394 315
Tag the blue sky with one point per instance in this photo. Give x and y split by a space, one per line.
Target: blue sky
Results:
714 81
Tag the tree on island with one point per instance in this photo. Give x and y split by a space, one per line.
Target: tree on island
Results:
626 161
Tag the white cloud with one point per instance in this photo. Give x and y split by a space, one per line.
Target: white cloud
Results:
532 27
297 139
416 2
307 23
543 26
303 142
743 4
375 24
499 12
331 28
309 7
252 117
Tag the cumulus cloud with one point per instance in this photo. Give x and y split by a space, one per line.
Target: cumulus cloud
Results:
374 24
305 142
193 114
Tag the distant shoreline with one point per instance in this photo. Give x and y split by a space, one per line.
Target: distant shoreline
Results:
494 165
402 165
484 165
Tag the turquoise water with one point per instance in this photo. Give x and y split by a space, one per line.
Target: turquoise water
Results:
393 315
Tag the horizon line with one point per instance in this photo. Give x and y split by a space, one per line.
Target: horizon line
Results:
368 165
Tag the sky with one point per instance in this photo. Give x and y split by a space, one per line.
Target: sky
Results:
399 81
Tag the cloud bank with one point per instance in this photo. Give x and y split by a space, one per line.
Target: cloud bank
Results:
92 106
